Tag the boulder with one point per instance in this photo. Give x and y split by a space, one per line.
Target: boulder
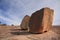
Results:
25 22
41 20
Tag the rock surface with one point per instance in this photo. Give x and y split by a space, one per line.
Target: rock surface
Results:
16 34
27 36
25 22
41 20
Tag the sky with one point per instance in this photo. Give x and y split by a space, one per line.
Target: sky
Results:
13 11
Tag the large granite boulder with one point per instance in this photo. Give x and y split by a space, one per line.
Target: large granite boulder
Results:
41 20
25 22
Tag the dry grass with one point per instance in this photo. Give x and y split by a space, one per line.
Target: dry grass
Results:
14 33
56 29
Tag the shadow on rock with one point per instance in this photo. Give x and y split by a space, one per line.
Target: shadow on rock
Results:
20 33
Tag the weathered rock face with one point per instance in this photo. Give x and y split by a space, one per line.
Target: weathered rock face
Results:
41 20
25 22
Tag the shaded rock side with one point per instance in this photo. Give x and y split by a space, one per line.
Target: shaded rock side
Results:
25 22
41 20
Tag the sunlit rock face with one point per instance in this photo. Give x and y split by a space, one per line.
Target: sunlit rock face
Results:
41 20
25 22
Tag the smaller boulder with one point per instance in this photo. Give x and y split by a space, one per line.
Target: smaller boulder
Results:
25 22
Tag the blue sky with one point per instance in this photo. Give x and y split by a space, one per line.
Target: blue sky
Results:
13 11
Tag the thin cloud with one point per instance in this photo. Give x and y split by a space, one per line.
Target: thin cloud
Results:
6 19
17 9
